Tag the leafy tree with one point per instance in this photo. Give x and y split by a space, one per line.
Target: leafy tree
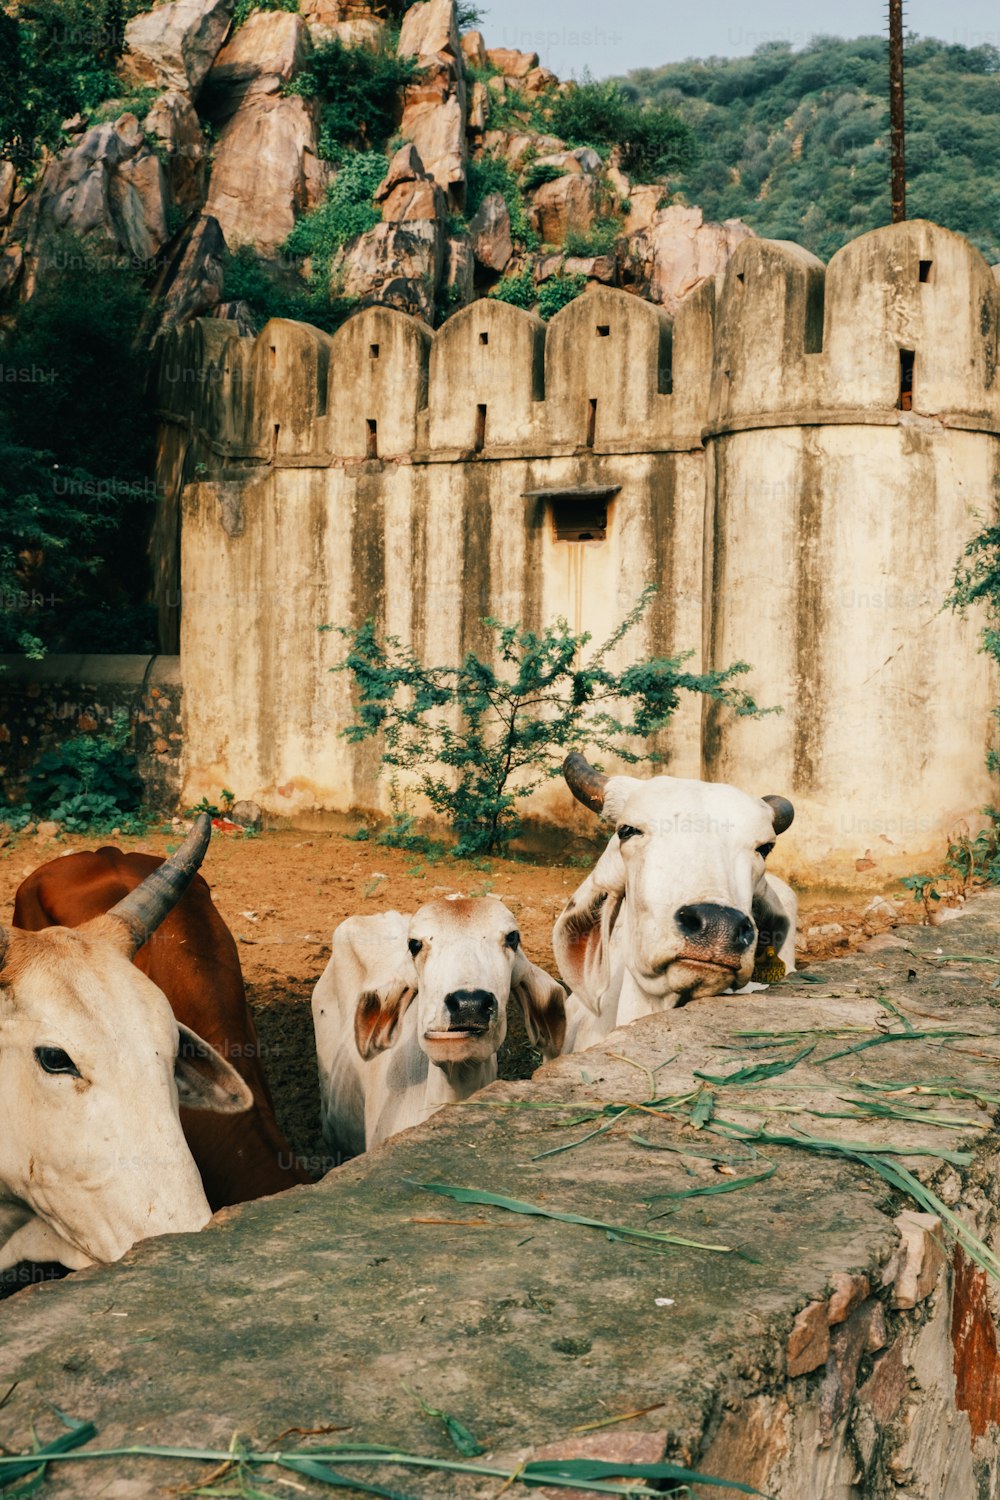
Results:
977 581
482 737
797 142
76 456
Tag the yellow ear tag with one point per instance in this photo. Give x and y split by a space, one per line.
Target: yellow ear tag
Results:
768 967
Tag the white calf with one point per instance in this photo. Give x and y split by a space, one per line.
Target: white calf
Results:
386 1063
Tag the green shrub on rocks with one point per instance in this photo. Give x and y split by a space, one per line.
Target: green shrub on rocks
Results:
358 90
653 140
555 293
87 784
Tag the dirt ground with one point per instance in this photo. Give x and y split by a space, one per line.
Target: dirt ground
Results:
282 893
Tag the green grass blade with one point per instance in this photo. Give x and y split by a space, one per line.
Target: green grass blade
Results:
13 1467
462 1439
579 1470
311 1468
757 1072
725 1185
516 1206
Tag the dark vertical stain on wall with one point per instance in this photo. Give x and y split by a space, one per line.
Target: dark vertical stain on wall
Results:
368 587
659 527
810 706
475 576
420 599
535 520
714 619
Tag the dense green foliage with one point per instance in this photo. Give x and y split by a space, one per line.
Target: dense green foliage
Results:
480 737
76 445
58 59
244 8
89 782
797 143
554 294
358 90
653 138
977 581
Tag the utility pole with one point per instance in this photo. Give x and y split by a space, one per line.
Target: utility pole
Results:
897 122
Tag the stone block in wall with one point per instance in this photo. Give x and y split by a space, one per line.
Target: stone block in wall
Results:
46 702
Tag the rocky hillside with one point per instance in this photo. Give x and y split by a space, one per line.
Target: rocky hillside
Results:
307 159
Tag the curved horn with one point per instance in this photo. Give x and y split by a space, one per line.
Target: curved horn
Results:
782 812
587 785
143 909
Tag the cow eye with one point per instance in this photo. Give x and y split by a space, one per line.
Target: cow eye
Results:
626 831
512 940
414 946
764 849
55 1060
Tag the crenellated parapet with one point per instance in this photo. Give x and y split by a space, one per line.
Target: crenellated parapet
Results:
904 319
610 373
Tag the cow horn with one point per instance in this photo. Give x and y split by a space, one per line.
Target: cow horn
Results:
587 785
143 909
782 812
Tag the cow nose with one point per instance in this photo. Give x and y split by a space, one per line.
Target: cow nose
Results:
707 924
470 1009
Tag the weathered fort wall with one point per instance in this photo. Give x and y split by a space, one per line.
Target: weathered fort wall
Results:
797 468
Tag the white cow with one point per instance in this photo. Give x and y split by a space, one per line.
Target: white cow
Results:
677 906
93 1067
409 1014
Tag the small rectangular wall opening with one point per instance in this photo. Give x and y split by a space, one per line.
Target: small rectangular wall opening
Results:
480 440
484 337
925 270
371 438
604 330
373 351
741 277
272 356
577 520
907 360
591 421
276 433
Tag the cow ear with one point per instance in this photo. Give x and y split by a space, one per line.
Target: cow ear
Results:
543 1002
582 934
205 1080
378 1014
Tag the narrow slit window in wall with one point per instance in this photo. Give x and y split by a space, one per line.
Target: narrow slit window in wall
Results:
373 351
925 270
580 514
274 438
907 359
371 438
591 421
272 356
480 440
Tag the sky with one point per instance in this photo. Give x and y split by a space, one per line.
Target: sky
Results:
613 36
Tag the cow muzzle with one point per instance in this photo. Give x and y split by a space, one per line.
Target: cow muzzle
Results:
714 934
472 1018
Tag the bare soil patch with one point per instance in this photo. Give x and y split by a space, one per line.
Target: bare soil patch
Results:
283 893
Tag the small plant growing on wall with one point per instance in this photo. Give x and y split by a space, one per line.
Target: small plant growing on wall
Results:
482 736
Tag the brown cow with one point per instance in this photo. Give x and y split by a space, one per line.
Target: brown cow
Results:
192 958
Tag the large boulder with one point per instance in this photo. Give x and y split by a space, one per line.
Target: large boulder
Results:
398 265
677 252
109 189
430 29
260 58
190 281
434 120
566 206
473 49
489 230
173 46
173 124
407 191
266 171
511 63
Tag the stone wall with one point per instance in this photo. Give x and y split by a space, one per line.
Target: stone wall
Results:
43 703
797 468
